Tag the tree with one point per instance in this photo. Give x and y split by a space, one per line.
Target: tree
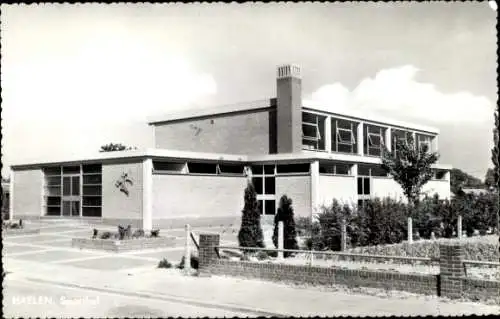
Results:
285 215
489 179
410 167
460 179
495 153
111 147
250 234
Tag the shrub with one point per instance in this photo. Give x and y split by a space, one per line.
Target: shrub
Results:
330 220
194 262
94 233
164 263
262 255
107 235
250 234
285 214
138 233
155 233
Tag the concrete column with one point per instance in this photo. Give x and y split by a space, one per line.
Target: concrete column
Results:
387 138
459 227
328 134
187 251
410 230
314 187
451 270
11 195
147 194
359 141
280 239
207 252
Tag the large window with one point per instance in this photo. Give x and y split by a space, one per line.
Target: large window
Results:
373 140
398 137
92 190
264 181
371 170
424 141
73 190
313 129
334 168
344 136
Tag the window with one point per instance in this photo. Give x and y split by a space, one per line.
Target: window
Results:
73 190
371 170
374 140
313 126
344 135
202 168
364 186
440 174
424 141
293 168
168 167
92 190
398 137
264 181
230 169
335 168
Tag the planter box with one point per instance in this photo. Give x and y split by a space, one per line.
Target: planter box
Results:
123 245
20 231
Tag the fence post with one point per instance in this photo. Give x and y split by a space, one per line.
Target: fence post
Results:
459 227
280 239
187 251
410 231
343 235
207 253
451 269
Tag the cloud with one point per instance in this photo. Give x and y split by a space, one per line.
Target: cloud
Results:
395 91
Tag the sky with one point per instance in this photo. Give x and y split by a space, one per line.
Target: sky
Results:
75 77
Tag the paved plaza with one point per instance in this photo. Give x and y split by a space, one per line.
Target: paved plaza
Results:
56 280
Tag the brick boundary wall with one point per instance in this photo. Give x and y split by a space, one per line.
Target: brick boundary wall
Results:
123 245
451 282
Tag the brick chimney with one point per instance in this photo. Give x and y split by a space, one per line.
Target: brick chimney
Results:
289 109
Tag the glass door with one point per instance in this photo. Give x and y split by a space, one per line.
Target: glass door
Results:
71 195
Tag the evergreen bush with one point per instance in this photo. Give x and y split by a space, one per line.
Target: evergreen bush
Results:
250 234
285 215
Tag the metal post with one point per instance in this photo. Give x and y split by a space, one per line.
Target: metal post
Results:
187 252
280 239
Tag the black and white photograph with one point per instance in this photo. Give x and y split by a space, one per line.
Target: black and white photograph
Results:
281 159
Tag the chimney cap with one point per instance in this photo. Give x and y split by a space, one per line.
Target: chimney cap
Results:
287 71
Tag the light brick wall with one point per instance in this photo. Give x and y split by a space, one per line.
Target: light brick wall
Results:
27 199
116 204
341 188
298 188
247 133
192 197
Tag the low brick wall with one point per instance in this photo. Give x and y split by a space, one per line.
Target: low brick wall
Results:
451 282
20 231
416 283
123 245
481 290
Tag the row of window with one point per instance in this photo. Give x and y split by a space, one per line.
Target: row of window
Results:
344 136
226 169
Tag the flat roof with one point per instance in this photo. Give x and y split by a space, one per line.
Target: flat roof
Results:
213 110
157 153
307 105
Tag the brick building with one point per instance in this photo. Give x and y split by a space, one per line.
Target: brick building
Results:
202 159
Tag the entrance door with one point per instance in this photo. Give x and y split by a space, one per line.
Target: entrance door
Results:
71 195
